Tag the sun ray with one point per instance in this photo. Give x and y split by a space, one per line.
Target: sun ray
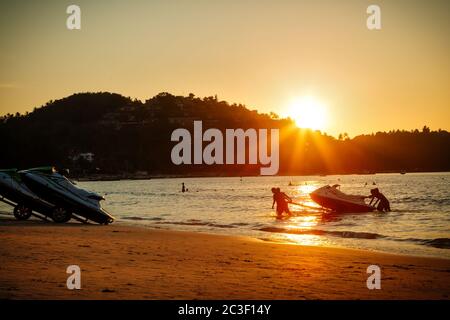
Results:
308 112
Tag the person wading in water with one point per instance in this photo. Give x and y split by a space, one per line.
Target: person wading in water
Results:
282 200
379 200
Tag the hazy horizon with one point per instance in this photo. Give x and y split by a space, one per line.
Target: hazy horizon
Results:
263 54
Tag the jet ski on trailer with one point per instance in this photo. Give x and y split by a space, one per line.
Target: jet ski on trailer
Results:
332 198
14 192
69 200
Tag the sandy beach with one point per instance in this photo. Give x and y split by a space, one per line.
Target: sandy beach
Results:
120 262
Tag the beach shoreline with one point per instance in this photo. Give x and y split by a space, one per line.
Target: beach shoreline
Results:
130 262
137 176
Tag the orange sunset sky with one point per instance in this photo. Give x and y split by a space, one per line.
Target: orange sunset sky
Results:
269 55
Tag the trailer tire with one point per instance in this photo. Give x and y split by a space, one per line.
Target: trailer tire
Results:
22 212
61 215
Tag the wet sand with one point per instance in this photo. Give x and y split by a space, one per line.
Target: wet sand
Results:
120 262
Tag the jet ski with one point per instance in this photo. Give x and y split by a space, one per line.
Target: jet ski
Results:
15 193
70 201
332 198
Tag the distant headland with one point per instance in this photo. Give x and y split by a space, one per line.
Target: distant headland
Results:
106 135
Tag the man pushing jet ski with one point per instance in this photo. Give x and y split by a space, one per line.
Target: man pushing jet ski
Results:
330 197
379 200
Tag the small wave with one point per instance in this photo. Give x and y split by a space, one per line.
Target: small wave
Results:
358 235
396 210
239 224
198 223
440 243
141 218
425 199
348 224
341 234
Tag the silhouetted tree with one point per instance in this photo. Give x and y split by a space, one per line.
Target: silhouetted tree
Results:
129 135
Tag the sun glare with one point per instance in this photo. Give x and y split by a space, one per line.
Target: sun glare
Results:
308 112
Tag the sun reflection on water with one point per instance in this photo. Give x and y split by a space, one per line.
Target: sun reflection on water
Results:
303 222
306 188
303 239
301 194
301 227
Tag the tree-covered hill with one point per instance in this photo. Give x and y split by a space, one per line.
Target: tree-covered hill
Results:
126 136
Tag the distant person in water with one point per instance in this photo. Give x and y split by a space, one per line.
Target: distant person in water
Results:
282 200
183 188
383 204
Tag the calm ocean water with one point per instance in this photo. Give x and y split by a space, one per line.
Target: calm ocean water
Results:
419 223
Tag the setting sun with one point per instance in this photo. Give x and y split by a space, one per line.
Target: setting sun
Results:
308 112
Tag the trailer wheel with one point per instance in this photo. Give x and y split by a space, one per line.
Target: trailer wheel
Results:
22 212
61 215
